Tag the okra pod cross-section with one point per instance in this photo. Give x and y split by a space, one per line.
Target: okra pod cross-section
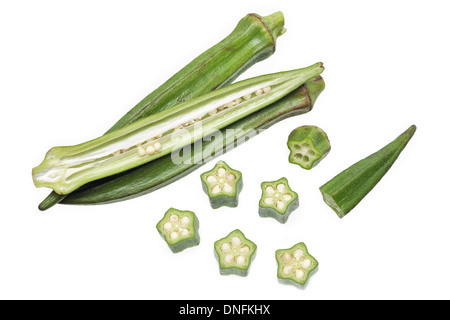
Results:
278 200
65 169
222 185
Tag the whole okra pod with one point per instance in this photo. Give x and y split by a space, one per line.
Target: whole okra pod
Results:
253 40
161 172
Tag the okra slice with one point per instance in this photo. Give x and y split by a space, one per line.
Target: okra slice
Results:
179 229
348 188
278 200
235 253
222 185
295 264
308 145
64 169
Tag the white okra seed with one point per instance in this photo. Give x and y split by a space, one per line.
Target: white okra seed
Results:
266 89
298 254
227 188
185 221
225 247
157 146
281 187
287 269
259 92
240 260
287 257
235 241
211 179
173 218
287 197
229 258
174 235
183 231
141 151
167 226
116 153
280 204
305 263
247 96
212 112
230 177
221 172
270 190
150 150
268 200
216 189
299 273
244 249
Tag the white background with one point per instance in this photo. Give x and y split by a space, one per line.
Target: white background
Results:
70 69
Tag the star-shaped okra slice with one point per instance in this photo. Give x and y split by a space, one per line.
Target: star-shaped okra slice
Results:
222 184
295 264
179 229
235 253
278 200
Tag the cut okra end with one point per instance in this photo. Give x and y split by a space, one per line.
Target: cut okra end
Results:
179 229
295 264
278 200
234 253
308 145
222 184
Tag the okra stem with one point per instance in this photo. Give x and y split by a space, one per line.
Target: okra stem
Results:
159 173
65 169
253 40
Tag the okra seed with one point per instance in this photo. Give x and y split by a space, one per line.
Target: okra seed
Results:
174 235
268 200
150 150
225 247
116 153
287 197
221 172
299 273
287 269
141 151
157 146
185 221
231 177
222 107
305 263
229 258
173 218
211 179
298 254
227 188
259 92
270 190
183 231
212 112
236 102
240 260
247 96
216 189
280 204
266 89
245 249
235 241
281 187
167 226
287 257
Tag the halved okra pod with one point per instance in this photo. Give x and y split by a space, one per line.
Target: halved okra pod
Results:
65 169
295 264
235 253
179 229
222 185
308 145
348 188
278 200
161 172
253 39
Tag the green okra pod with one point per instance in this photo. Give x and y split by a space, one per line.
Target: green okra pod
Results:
161 172
64 169
253 39
348 188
